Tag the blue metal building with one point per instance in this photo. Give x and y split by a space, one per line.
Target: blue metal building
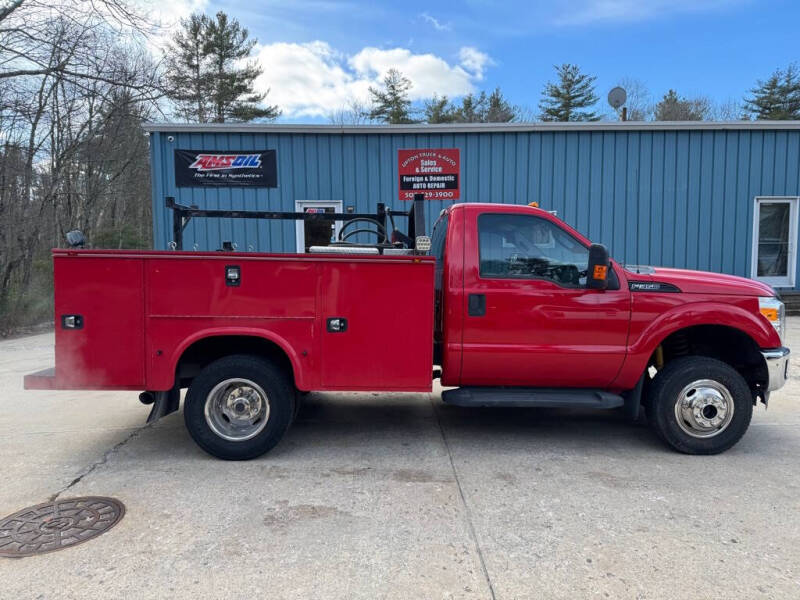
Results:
713 196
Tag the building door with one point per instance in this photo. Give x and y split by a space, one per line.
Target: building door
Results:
310 233
775 241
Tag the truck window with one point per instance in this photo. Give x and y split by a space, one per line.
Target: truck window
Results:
514 246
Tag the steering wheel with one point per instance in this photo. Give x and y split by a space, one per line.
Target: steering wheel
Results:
380 232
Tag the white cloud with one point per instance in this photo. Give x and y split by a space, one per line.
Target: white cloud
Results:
437 25
168 14
313 79
427 72
583 12
474 60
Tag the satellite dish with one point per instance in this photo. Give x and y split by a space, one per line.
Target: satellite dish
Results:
617 97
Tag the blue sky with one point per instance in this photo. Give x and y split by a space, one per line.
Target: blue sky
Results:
320 54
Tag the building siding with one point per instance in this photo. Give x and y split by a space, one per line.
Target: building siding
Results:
679 197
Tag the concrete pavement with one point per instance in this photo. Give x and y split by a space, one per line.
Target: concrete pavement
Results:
399 496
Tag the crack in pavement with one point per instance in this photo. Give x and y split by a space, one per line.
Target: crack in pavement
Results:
98 463
471 526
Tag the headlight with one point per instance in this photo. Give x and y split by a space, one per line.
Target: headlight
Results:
773 310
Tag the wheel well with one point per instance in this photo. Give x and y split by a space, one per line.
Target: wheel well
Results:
730 345
205 351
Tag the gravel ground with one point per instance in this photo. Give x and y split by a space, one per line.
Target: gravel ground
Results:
397 496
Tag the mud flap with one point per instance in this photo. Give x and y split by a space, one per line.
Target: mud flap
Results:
164 404
633 399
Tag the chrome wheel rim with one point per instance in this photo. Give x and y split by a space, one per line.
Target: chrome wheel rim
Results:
704 408
237 409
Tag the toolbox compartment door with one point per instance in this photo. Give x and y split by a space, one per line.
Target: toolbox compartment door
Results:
107 349
384 339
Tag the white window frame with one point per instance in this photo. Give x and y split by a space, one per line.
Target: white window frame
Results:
778 282
299 226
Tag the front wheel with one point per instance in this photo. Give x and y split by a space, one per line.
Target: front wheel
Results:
239 407
699 405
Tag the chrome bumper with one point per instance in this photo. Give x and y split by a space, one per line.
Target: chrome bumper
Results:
777 362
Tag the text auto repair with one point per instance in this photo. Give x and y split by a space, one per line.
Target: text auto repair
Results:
433 172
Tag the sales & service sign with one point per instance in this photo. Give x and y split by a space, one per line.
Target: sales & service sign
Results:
430 171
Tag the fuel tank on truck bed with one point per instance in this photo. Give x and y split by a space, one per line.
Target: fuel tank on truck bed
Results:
124 318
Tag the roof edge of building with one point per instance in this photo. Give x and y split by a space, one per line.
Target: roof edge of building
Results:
469 127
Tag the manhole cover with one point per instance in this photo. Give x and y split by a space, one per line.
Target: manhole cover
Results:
56 525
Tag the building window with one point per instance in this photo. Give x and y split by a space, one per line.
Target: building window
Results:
774 252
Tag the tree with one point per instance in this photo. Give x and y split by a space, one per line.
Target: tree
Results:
232 81
778 97
481 108
673 107
207 74
639 102
392 104
472 109
72 154
354 112
187 79
25 36
498 109
728 110
439 110
566 99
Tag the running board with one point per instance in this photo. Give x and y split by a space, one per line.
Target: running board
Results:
538 397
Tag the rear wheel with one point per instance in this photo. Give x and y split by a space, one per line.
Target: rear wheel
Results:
699 405
239 407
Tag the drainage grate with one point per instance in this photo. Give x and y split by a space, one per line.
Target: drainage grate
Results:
57 525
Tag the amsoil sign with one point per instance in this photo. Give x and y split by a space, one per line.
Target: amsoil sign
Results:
430 171
251 168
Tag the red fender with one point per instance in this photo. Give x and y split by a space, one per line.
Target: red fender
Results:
708 312
282 343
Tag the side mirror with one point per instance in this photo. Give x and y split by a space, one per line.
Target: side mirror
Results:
597 273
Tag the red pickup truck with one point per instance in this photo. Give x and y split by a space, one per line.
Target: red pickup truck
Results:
515 307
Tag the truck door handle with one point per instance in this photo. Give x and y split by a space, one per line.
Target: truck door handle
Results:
336 325
476 305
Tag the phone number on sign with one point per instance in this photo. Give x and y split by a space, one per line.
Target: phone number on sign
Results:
431 195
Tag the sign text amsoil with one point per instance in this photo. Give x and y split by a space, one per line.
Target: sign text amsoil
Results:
241 168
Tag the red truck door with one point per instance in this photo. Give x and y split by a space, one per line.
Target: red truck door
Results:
529 319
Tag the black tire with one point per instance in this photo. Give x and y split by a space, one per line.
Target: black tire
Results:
280 401
664 393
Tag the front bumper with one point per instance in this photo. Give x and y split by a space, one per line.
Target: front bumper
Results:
777 362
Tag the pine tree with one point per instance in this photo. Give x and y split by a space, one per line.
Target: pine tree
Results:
776 98
564 100
673 107
472 109
205 76
498 109
480 108
232 83
392 104
439 110
187 79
